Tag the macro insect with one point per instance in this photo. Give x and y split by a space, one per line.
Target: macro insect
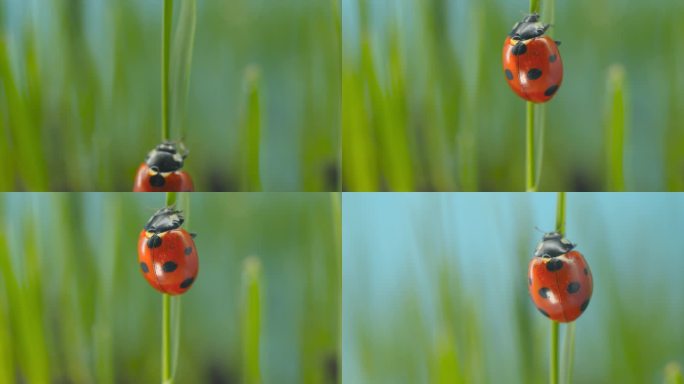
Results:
559 279
531 61
167 253
162 170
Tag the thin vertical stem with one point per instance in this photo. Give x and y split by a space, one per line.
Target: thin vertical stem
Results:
530 179
569 352
534 6
530 164
171 198
553 377
560 213
167 19
166 339
166 319
560 228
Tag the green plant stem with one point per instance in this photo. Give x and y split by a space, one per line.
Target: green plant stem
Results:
251 320
560 213
530 179
560 228
171 198
534 6
167 378
615 129
167 20
553 377
166 339
569 352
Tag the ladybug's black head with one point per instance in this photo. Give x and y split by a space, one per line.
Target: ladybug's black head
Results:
164 220
165 157
528 28
552 245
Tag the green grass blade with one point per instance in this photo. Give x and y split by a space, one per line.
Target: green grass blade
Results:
615 129
673 374
251 320
31 312
530 151
6 162
181 65
176 301
26 136
251 131
568 353
553 356
166 339
167 22
7 374
359 162
103 339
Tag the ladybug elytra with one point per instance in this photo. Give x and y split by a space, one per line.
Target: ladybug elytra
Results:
559 279
167 253
531 61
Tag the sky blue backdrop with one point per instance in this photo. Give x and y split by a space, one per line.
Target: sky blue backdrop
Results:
628 239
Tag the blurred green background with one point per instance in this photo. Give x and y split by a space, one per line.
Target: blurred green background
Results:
80 93
74 307
426 107
435 287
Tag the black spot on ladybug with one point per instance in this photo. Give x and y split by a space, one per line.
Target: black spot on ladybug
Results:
169 266
509 74
144 268
519 49
157 180
586 272
534 74
554 265
188 250
573 287
584 305
154 241
553 58
544 292
543 312
187 282
551 90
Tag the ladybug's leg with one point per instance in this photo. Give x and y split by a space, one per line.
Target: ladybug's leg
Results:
557 42
154 241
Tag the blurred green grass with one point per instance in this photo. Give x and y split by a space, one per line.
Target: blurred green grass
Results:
80 93
425 106
74 308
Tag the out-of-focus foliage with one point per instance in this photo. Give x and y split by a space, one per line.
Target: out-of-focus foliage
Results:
425 103
435 288
75 308
80 92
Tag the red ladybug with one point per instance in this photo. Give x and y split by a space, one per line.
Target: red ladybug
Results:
560 281
167 253
531 61
161 171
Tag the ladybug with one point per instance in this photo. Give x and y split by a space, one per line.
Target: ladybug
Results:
167 253
531 61
161 171
559 280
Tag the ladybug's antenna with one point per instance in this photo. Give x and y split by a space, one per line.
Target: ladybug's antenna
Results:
540 230
182 149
